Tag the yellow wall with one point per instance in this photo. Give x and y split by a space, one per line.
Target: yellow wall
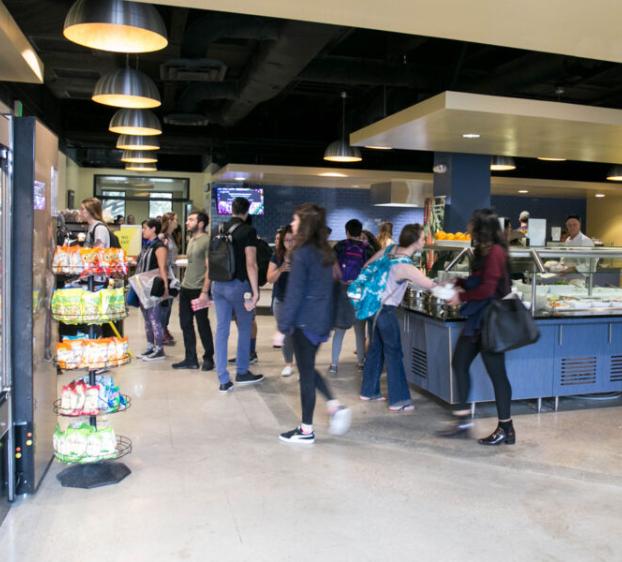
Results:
604 217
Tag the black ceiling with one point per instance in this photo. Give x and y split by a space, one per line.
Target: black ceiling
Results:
269 89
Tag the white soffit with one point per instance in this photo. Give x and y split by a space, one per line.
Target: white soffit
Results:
569 27
295 176
300 176
19 61
507 126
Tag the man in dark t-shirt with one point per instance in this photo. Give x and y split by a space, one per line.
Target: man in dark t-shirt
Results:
238 296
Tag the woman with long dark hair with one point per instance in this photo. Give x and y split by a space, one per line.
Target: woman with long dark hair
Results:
488 281
169 224
386 344
278 274
371 240
153 256
307 317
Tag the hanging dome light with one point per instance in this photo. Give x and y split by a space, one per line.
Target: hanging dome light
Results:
135 122
141 168
115 25
133 142
615 174
127 88
139 157
502 164
340 150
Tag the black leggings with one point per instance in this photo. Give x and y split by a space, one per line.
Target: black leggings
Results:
466 351
310 379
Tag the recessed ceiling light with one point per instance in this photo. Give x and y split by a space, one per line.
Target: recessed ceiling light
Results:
523 191
551 159
333 175
599 195
470 135
378 147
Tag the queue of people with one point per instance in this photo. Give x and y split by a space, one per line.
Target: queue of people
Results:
310 282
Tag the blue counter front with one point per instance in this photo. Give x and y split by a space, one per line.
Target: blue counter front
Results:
573 356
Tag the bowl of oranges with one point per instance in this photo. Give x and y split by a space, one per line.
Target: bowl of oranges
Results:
442 238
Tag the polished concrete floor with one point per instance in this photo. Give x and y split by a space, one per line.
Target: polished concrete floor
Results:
210 480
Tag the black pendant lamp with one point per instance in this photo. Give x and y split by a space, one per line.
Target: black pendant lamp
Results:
135 122
340 150
615 174
141 168
139 157
502 164
115 25
127 88
133 142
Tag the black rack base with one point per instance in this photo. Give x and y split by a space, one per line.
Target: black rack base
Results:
93 475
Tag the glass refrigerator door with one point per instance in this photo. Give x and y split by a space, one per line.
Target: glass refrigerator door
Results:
5 205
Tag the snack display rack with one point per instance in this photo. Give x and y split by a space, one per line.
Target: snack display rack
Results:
97 465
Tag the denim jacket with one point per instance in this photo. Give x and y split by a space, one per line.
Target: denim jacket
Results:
309 296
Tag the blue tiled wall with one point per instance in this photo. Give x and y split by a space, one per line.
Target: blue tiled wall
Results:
341 205
554 211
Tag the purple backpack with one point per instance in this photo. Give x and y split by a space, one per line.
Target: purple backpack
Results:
351 259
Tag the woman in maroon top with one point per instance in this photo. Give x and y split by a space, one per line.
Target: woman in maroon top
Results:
488 281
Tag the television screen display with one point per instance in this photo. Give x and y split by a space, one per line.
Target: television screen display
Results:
226 195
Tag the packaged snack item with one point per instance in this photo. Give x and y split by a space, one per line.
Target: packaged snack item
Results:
90 304
66 400
117 301
91 401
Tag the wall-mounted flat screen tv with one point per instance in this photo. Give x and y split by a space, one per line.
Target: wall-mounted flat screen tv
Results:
226 194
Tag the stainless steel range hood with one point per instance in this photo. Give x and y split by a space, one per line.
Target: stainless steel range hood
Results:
400 193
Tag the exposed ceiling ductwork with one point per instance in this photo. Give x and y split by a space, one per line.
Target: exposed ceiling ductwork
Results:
193 70
206 28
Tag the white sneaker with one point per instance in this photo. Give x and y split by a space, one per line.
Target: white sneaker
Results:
287 371
340 421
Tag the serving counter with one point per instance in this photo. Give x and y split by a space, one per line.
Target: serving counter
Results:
580 346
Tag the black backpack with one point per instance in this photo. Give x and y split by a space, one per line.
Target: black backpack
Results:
114 241
264 253
221 256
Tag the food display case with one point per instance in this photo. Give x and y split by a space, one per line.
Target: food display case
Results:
574 294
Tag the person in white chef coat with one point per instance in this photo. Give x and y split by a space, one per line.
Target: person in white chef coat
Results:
577 238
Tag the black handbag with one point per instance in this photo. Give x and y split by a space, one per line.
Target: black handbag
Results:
343 311
507 325
157 289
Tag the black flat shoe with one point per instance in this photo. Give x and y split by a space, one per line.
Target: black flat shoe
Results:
499 436
457 428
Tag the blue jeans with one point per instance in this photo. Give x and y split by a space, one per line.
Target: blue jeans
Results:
228 298
386 345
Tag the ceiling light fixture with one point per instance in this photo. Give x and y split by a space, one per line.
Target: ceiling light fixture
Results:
523 191
615 174
470 135
135 122
502 164
599 195
127 88
378 147
115 25
340 150
239 178
138 157
551 159
333 175
141 168
134 142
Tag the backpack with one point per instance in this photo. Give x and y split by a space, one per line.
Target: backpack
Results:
367 290
221 255
264 253
114 241
351 259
